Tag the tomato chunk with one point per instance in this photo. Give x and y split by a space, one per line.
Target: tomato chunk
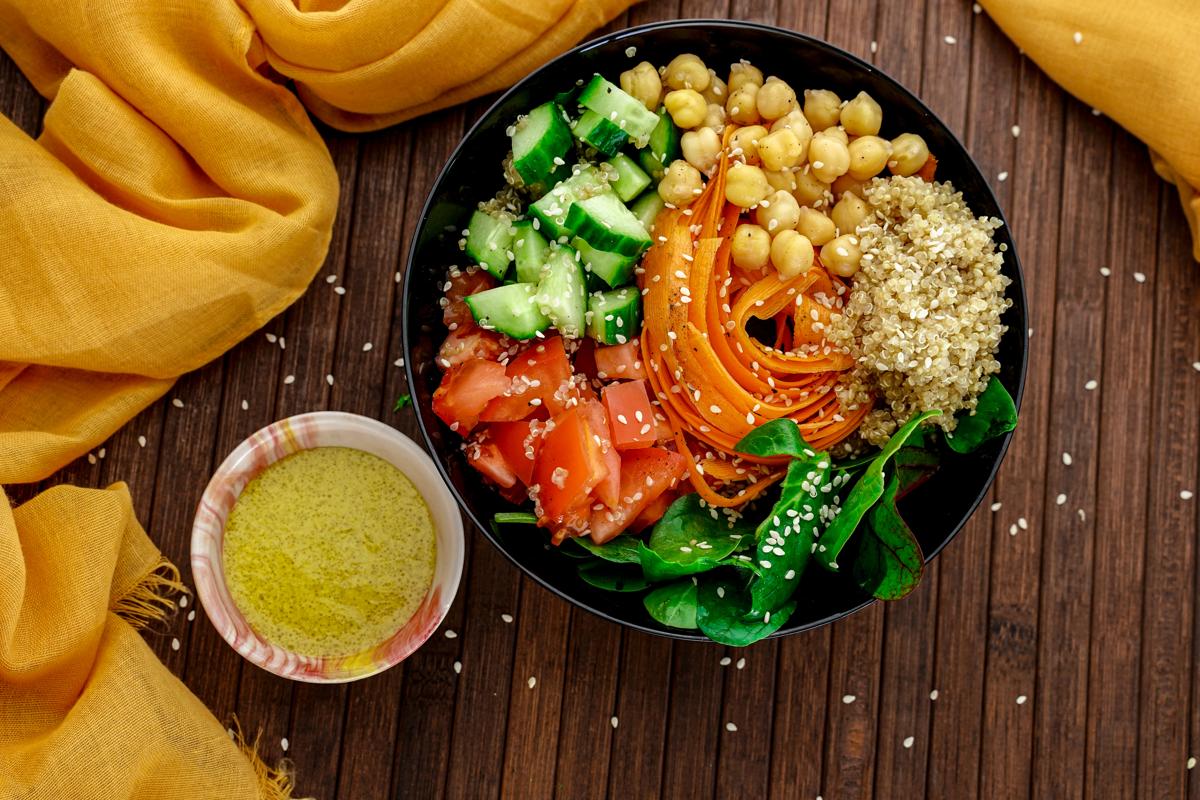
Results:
608 491
654 511
465 390
469 341
462 283
645 474
536 379
568 467
518 442
486 457
620 362
630 415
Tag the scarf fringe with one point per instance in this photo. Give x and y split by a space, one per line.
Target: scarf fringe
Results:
274 783
152 599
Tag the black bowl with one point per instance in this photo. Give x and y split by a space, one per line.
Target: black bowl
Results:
936 511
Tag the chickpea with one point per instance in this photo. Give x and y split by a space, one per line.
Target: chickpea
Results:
750 247
850 212
681 185
862 116
783 179
779 150
809 189
715 117
686 107
822 108
775 99
828 156
791 253
795 122
717 91
687 71
842 255
742 105
744 73
868 155
643 84
816 226
909 154
779 212
746 185
747 139
848 183
701 148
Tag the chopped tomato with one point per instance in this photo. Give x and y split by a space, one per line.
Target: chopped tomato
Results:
645 474
630 415
584 358
536 377
620 362
575 523
568 467
653 512
608 491
465 390
486 457
518 444
464 283
467 342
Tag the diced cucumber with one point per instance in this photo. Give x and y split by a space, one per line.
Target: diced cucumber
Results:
509 309
616 316
530 249
551 210
646 208
663 147
540 143
489 241
605 136
562 293
630 177
613 269
619 108
606 224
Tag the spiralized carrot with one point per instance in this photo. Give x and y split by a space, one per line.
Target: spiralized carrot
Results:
715 381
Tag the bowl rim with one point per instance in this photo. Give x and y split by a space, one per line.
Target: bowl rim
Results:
266 446
1016 292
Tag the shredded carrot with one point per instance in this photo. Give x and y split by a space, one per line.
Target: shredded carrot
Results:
714 380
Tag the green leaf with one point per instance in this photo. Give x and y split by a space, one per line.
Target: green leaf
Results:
514 518
864 494
674 605
914 466
889 564
779 437
403 401
612 578
995 414
723 613
571 549
620 550
786 536
657 569
689 531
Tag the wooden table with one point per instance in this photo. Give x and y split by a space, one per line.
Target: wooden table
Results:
1050 651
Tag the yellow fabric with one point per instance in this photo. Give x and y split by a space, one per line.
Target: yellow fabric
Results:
1137 62
177 198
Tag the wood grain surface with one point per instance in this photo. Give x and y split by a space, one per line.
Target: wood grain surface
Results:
1050 652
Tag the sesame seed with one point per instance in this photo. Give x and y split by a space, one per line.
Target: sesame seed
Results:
1016 131
339 290
741 663
1012 530
933 695
908 742
290 379
1140 277
329 379
1021 699
532 682
328 279
726 661
1191 762
397 276
91 458
399 362
183 601
1091 385
506 617
729 726
191 615
1186 494
848 699
175 644
1077 37
874 46
976 8
1196 366
457 667
283 743
1002 177
1066 458
1061 500
715 409
1105 272
175 401
996 506
949 40
1023 524
614 722
245 405
272 338
141 441
367 347
451 634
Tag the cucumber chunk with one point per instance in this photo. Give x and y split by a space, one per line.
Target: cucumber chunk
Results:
562 293
606 224
595 130
540 142
530 249
621 109
509 309
551 210
631 179
646 208
616 316
663 147
489 241
613 269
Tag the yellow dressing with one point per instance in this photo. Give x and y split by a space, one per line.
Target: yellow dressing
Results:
329 551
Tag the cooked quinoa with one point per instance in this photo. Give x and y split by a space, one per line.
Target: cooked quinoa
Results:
923 317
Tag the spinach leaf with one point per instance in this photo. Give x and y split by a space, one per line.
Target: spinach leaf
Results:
856 463
889 564
995 414
619 550
689 531
674 605
655 568
779 437
510 518
786 536
403 401
723 613
864 494
612 578
914 466
571 549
